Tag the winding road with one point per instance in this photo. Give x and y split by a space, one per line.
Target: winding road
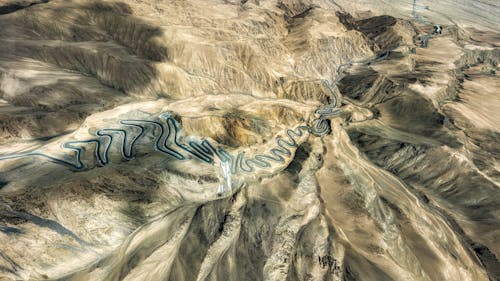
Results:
169 142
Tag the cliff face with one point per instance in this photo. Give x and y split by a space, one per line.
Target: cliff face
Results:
247 140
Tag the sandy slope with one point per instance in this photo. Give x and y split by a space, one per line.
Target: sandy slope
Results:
404 187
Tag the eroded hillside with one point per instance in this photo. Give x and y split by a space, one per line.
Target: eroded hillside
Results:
247 140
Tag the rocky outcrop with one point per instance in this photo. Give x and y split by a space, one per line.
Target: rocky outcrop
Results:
345 150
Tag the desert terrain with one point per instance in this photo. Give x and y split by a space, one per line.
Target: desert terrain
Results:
249 140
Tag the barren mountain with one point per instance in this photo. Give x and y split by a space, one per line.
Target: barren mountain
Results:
249 140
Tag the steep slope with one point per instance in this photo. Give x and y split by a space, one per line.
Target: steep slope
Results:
247 140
